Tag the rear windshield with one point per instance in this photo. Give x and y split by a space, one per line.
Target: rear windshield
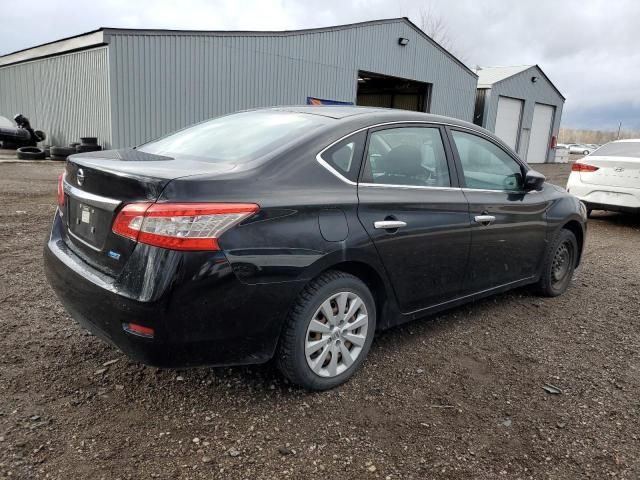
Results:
619 149
240 137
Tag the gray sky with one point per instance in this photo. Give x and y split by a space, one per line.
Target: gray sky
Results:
589 49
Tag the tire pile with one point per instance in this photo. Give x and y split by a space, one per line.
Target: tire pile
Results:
86 144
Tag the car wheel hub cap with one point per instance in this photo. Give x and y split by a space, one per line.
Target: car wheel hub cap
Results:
336 334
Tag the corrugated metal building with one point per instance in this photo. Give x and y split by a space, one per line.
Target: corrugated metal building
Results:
522 107
130 86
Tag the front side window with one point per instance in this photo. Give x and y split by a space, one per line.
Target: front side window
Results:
411 156
237 138
485 165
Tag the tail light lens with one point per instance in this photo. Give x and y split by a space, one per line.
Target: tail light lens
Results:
583 167
139 330
180 226
61 193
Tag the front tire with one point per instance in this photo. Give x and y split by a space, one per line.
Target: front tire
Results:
328 332
559 264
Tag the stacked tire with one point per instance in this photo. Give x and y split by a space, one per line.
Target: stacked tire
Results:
61 153
88 144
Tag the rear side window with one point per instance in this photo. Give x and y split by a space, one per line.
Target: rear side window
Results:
346 155
236 138
485 165
619 149
408 156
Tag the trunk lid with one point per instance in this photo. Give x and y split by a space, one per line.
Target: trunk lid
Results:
98 184
612 171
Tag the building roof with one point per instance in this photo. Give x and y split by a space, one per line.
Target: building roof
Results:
489 76
100 36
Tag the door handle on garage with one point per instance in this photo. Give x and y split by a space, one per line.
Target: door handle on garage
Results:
485 220
389 224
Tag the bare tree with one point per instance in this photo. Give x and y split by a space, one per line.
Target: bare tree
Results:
575 135
434 24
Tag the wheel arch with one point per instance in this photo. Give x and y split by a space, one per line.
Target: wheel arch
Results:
382 296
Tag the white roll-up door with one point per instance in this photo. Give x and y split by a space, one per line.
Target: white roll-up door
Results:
508 120
540 138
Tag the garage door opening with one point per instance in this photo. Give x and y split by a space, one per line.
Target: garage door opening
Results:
375 90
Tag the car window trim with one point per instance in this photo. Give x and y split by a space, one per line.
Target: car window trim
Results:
330 167
525 168
446 140
355 158
406 187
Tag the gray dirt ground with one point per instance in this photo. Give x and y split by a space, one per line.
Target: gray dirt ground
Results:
455 396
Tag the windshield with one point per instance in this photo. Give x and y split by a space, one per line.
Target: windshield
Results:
240 137
619 149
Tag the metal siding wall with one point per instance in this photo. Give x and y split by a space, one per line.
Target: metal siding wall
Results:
163 82
66 96
521 86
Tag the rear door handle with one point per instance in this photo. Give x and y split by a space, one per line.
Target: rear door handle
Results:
485 220
389 224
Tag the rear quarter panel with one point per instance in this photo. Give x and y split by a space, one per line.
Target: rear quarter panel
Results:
284 240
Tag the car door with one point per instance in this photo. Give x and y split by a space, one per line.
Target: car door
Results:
415 213
508 232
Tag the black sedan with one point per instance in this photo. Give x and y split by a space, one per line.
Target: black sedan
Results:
297 233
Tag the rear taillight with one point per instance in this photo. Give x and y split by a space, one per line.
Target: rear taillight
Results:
139 330
583 167
180 226
61 193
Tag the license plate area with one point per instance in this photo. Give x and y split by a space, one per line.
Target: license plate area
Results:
88 223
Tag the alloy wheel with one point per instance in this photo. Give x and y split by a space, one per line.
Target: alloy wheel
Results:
336 334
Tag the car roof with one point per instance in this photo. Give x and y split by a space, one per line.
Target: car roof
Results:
627 140
372 115
331 111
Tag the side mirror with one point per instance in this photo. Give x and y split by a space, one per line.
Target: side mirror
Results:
533 181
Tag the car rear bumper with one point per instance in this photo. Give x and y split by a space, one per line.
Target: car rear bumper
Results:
604 197
200 312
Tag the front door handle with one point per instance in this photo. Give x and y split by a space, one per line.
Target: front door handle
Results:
389 224
485 220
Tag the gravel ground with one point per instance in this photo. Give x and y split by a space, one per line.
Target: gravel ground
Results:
455 396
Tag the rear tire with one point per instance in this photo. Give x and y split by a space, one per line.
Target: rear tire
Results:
319 351
559 264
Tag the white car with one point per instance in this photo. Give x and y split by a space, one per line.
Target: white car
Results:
609 178
580 149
